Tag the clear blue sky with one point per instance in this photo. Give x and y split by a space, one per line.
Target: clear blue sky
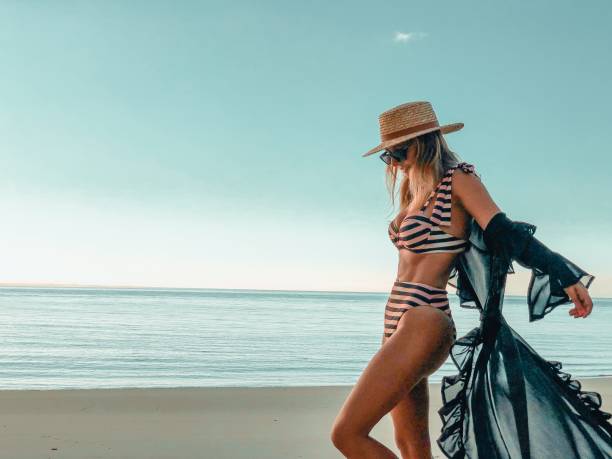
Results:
218 144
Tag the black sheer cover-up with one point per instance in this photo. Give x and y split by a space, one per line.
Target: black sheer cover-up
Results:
507 402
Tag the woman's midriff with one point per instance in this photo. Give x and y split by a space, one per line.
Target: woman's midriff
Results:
429 268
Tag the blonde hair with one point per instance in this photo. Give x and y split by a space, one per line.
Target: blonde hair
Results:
433 158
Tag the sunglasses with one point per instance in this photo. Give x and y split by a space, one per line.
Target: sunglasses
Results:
399 154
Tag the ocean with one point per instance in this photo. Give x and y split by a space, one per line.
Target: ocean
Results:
60 338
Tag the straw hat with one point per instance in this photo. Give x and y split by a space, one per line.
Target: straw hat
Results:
407 121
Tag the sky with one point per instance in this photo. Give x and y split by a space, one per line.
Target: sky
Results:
218 144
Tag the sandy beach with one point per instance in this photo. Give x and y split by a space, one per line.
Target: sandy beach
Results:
216 423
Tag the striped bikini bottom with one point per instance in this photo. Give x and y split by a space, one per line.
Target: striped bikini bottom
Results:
407 295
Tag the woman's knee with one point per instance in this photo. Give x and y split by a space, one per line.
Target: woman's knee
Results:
343 434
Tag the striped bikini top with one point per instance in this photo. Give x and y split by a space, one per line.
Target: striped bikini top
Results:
421 234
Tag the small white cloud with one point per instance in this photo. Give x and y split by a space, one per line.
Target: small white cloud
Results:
405 37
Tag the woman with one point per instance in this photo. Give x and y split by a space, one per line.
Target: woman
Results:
450 228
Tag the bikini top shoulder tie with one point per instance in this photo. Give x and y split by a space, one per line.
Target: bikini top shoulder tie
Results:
419 233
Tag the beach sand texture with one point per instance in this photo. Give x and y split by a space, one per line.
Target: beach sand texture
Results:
215 423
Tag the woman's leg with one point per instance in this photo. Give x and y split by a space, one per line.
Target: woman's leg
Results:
411 422
417 348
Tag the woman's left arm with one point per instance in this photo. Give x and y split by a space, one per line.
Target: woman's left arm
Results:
513 241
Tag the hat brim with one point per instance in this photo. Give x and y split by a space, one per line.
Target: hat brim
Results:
446 129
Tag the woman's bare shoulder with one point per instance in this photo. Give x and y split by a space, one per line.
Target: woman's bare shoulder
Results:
473 195
465 172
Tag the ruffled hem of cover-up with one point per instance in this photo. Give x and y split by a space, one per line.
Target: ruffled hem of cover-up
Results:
591 399
454 390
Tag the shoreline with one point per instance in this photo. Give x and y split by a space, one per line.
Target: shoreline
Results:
297 386
194 422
